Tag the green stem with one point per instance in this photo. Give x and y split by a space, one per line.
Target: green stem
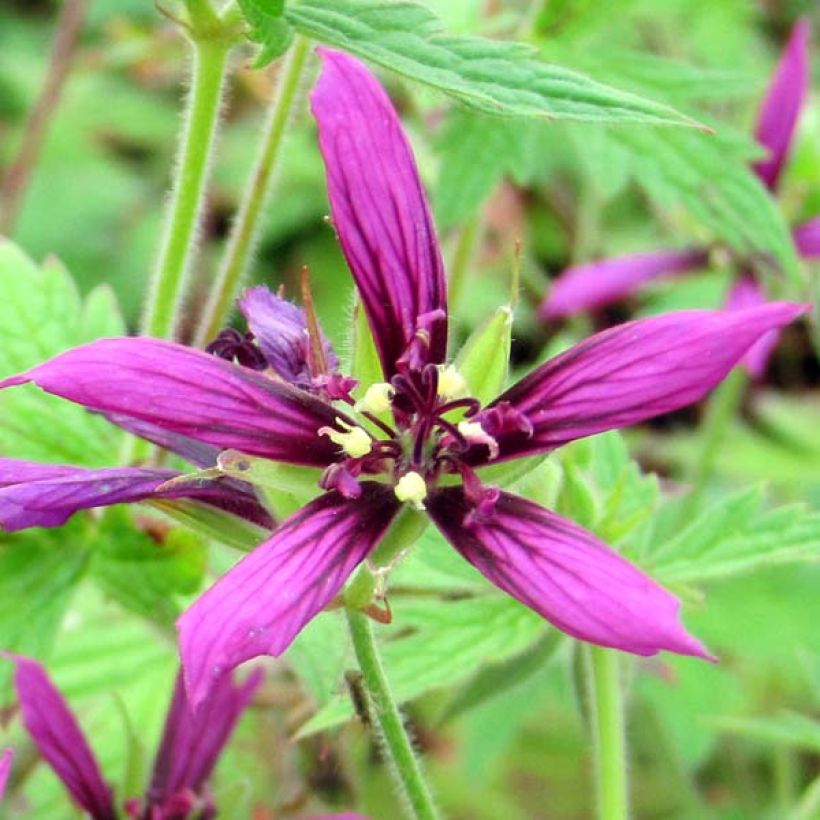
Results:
405 765
184 211
721 410
246 227
609 732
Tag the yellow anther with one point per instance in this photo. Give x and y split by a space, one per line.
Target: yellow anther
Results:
355 442
376 399
451 384
411 487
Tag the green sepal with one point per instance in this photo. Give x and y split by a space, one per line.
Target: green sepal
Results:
408 526
301 482
485 358
507 473
213 523
364 360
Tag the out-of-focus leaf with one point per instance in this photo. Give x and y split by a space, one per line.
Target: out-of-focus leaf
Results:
502 78
709 175
496 679
143 573
268 28
39 571
786 728
41 315
476 152
738 535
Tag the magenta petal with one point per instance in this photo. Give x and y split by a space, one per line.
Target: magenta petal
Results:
192 741
280 328
5 768
596 284
807 238
630 373
747 293
565 574
60 740
191 393
47 495
261 604
780 109
379 208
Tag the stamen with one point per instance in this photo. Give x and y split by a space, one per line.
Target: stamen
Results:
377 399
474 433
411 487
355 442
451 384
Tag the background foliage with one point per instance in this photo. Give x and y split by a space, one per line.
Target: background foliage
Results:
493 694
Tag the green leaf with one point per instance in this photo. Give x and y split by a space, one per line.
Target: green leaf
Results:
268 27
39 571
501 78
476 152
447 641
145 573
710 176
735 536
496 679
41 314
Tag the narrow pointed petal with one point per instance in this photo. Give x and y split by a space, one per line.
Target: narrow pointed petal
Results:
379 209
185 391
47 495
597 284
780 109
807 238
565 574
5 768
193 740
628 374
196 452
261 604
281 330
747 293
60 740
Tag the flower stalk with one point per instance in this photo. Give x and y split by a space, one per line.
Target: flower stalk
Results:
246 227
212 42
609 733
397 746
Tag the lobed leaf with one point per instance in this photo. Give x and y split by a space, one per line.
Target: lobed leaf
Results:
501 78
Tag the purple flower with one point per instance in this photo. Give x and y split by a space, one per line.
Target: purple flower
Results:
429 454
595 284
191 745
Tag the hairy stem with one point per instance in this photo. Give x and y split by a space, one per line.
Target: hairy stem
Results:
404 764
210 60
245 229
19 171
609 732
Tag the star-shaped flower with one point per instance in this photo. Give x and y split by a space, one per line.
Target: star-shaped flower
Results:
414 441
